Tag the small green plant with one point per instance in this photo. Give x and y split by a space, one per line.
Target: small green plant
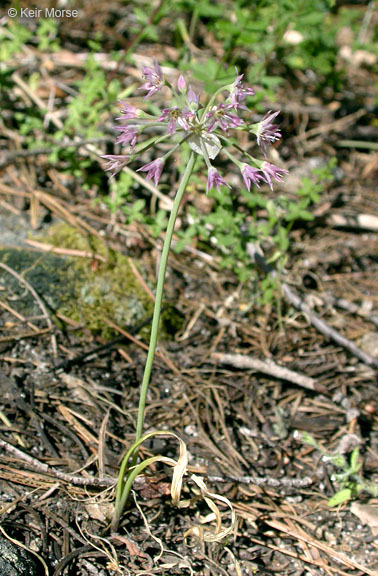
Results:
91 104
47 34
346 475
283 36
12 39
85 111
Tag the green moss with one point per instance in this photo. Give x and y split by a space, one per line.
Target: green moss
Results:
64 236
86 290
110 291
102 290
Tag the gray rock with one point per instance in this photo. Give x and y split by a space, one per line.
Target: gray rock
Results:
15 561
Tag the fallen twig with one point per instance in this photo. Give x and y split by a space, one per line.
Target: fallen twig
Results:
279 483
271 368
319 324
354 221
18 316
353 308
357 144
64 251
66 365
24 335
14 155
39 466
106 481
336 126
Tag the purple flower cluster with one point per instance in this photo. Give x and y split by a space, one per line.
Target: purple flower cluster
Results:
204 127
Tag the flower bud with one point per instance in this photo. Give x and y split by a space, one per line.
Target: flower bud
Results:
181 84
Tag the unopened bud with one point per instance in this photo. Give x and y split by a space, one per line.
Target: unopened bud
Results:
181 84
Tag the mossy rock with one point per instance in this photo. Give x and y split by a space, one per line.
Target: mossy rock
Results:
87 291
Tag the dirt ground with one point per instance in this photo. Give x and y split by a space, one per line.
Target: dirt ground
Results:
69 396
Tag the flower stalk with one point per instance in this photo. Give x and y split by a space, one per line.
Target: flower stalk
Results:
159 293
128 472
205 129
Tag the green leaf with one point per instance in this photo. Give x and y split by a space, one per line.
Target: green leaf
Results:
306 215
281 239
271 81
308 439
354 464
340 497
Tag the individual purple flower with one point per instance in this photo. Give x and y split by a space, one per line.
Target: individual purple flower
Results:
266 132
239 93
154 77
153 169
115 163
271 171
222 116
175 116
128 111
128 135
181 84
251 175
214 180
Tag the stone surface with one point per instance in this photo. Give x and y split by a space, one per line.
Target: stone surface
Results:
15 561
369 343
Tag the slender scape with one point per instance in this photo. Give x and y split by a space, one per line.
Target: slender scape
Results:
159 293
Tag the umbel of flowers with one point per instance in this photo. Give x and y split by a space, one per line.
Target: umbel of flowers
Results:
206 128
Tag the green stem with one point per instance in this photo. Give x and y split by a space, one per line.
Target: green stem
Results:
159 297
143 146
124 485
232 158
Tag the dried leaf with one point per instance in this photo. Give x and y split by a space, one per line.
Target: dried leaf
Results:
100 511
367 514
218 534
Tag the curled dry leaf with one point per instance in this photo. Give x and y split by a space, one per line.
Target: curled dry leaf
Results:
179 466
219 534
211 499
100 511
